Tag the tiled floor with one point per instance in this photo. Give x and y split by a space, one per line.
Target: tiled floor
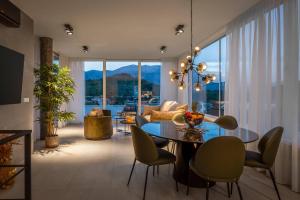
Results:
96 170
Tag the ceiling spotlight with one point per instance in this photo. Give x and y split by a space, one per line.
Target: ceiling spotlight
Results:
163 49
68 29
179 29
85 49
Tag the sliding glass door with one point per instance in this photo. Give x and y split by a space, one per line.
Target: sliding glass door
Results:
121 86
93 85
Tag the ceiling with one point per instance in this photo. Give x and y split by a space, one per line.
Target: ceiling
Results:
128 29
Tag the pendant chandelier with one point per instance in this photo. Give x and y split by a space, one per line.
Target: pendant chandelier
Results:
188 65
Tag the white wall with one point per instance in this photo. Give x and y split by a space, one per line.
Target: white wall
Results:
168 89
20 116
76 105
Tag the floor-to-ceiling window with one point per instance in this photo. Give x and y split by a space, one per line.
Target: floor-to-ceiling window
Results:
211 98
150 83
93 85
121 86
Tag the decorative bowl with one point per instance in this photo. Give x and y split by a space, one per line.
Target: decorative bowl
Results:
193 118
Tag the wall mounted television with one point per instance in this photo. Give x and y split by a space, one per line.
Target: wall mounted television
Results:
11 76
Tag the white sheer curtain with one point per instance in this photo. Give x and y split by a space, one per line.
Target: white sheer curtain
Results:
262 88
77 104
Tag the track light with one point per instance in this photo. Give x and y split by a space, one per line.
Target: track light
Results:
85 49
163 49
179 29
68 29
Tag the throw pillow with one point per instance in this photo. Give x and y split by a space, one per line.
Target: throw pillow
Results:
168 106
148 109
182 106
163 115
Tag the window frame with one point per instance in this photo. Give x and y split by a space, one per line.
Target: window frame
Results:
139 65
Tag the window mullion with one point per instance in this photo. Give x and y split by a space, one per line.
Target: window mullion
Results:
139 87
104 85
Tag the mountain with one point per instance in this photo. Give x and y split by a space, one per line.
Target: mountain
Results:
149 73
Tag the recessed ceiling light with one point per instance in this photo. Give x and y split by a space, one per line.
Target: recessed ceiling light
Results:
85 49
163 49
179 29
68 29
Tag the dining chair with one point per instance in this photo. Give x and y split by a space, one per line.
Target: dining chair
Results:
147 153
159 142
227 122
219 160
268 148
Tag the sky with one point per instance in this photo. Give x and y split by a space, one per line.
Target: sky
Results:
112 65
209 55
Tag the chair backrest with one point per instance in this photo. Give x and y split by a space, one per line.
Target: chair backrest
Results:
227 122
220 159
269 144
140 120
144 147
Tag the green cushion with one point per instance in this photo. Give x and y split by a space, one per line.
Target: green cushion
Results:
160 142
220 159
227 122
164 157
146 151
254 159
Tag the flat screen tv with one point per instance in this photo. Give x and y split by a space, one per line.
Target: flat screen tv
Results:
11 76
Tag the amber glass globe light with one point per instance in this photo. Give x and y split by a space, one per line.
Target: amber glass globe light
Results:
181 85
201 67
198 87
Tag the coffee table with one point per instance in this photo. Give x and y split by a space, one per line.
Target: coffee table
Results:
127 126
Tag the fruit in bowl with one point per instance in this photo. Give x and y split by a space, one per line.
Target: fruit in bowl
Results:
193 118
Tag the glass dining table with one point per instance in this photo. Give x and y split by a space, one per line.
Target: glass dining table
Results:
187 145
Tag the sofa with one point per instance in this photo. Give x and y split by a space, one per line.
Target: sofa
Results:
98 125
165 111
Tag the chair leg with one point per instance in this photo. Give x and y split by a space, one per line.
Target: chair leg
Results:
188 183
131 172
175 179
146 179
153 170
228 189
207 190
173 147
274 183
239 189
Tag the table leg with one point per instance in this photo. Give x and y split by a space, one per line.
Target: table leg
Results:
184 153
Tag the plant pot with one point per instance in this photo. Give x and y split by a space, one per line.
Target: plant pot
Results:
52 141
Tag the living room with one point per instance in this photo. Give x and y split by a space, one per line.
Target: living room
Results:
174 99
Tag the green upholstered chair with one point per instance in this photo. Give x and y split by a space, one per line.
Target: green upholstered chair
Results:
98 127
159 142
227 122
147 153
267 147
219 160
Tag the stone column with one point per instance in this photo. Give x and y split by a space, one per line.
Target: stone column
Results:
46 51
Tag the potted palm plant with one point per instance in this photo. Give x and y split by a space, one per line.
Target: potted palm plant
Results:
53 87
